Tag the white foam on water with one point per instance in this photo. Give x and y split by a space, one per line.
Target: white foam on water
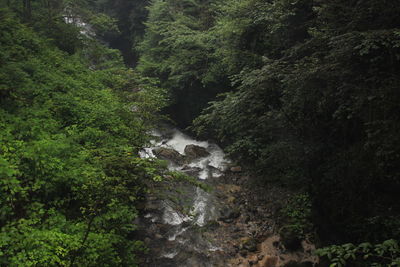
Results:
214 248
203 165
200 206
216 174
176 234
153 142
180 140
203 175
155 133
182 241
146 153
173 217
85 28
217 158
170 255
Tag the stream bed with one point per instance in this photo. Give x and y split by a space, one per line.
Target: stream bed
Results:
176 220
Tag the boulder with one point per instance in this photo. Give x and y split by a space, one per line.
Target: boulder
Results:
169 154
194 152
229 214
248 244
192 171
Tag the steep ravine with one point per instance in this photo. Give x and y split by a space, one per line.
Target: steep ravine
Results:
229 222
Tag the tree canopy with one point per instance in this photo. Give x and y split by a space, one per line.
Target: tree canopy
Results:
308 97
71 177
302 92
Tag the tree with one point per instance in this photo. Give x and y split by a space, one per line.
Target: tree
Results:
71 177
316 105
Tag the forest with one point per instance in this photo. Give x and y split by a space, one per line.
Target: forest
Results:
303 94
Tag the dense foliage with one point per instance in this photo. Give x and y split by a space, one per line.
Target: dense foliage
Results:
364 254
304 92
321 109
70 173
314 100
129 17
178 50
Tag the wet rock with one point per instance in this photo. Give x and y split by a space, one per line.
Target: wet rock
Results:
151 206
231 199
229 214
152 230
212 225
194 152
158 236
236 169
190 258
163 229
249 244
192 171
169 154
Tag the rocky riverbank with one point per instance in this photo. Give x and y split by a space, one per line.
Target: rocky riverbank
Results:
229 221
250 236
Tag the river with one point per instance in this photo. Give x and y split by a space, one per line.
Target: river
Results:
176 223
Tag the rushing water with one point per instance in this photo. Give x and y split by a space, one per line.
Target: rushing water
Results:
174 237
211 166
85 28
